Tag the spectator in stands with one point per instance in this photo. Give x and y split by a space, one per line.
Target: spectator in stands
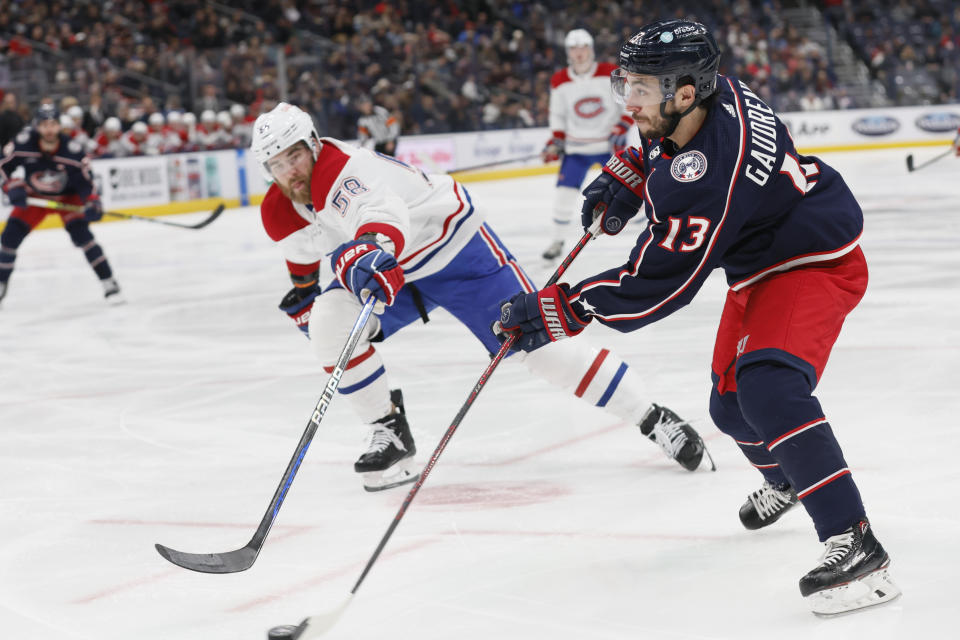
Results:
11 122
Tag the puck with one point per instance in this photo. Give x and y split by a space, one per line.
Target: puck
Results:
282 632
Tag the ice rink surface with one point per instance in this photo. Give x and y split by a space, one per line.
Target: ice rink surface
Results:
172 418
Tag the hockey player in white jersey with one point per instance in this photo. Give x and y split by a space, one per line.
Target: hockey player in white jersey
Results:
417 242
586 126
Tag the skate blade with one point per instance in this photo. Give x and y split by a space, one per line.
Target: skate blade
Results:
403 472
868 591
116 300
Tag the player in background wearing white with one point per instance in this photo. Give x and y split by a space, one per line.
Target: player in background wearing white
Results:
416 242
586 125
377 128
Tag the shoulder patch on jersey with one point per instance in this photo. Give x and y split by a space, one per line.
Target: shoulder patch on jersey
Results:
689 166
23 136
74 147
559 78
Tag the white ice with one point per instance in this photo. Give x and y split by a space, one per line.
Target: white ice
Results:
172 418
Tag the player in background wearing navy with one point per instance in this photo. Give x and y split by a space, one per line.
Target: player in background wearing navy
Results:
586 124
55 168
417 242
724 187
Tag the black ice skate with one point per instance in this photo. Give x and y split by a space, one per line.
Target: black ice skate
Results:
553 251
111 291
765 505
677 438
852 574
388 461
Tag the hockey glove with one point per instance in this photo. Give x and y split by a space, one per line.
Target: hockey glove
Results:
554 148
16 193
618 135
539 318
93 209
297 304
363 267
616 194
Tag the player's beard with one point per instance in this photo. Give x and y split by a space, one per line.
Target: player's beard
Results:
301 195
662 126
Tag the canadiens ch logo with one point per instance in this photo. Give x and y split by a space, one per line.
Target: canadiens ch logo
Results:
589 107
689 166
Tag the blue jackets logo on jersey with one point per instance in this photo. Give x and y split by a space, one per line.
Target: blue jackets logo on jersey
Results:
689 166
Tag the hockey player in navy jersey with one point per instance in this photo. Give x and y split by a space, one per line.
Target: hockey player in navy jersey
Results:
724 187
417 242
55 168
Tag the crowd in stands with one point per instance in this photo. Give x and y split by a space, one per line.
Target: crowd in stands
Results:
439 65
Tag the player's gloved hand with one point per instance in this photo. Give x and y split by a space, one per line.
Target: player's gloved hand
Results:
16 193
298 304
538 318
365 268
618 135
554 148
93 208
616 194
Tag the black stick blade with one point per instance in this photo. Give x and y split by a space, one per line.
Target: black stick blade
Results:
910 162
216 213
229 562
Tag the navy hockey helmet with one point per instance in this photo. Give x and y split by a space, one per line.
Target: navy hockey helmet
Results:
46 111
670 50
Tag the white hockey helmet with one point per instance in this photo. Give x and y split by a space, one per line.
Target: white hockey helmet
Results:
66 122
237 111
578 38
175 117
156 119
189 119
139 127
208 116
112 124
278 130
75 112
224 119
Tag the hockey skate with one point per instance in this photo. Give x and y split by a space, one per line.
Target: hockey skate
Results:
388 461
852 574
765 505
111 292
677 438
553 251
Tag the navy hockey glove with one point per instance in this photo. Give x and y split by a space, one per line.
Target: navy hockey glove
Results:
616 194
16 193
297 304
363 267
93 209
554 149
539 318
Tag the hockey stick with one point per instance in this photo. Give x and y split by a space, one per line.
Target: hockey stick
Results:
911 167
493 164
316 626
243 558
65 206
